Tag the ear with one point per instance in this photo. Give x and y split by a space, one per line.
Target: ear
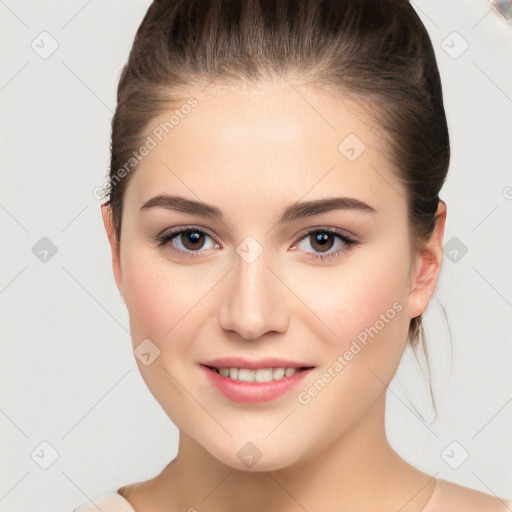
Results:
108 222
426 266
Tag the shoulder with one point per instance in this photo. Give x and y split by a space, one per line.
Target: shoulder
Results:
451 497
106 502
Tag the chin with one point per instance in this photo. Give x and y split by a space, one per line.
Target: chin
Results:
254 456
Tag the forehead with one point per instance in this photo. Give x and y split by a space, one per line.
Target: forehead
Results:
277 141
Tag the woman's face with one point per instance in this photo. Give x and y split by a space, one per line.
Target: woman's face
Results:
250 282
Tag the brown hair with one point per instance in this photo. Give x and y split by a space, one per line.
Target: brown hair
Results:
376 52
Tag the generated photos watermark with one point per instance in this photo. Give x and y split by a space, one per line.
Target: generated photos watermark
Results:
358 343
157 135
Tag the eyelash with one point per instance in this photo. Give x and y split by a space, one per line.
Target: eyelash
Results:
165 240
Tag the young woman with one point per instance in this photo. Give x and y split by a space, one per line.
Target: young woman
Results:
276 234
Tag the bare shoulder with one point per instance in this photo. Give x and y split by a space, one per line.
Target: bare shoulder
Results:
139 495
132 492
147 495
452 497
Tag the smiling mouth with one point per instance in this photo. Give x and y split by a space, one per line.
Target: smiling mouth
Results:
258 375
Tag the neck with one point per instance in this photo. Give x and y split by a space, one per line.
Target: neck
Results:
358 471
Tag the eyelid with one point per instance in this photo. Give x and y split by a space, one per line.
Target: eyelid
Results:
163 238
299 236
330 229
186 227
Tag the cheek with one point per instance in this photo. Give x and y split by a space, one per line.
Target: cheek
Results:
155 298
161 309
365 305
365 290
166 301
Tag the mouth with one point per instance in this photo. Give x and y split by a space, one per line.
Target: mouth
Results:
258 384
264 374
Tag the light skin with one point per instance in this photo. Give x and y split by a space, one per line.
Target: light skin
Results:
251 153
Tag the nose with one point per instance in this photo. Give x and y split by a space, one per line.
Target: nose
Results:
254 301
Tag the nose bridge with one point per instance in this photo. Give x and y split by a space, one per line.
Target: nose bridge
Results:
252 302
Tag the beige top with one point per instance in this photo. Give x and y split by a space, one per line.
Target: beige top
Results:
447 497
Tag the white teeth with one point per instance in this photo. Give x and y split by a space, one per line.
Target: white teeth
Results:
278 373
260 375
245 375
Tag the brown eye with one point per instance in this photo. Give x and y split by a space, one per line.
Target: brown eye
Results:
185 241
322 241
192 239
326 243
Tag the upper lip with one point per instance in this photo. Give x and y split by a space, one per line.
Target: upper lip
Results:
254 364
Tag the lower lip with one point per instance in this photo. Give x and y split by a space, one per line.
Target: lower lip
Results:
253 392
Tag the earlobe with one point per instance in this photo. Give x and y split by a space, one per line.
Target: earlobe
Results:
426 266
108 222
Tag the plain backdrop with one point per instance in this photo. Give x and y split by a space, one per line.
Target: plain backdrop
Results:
76 418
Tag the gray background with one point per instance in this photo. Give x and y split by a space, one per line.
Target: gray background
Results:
68 376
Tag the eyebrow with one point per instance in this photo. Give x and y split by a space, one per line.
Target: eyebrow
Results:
293 212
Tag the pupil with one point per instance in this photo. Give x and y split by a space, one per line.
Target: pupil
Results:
321 239
194 237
